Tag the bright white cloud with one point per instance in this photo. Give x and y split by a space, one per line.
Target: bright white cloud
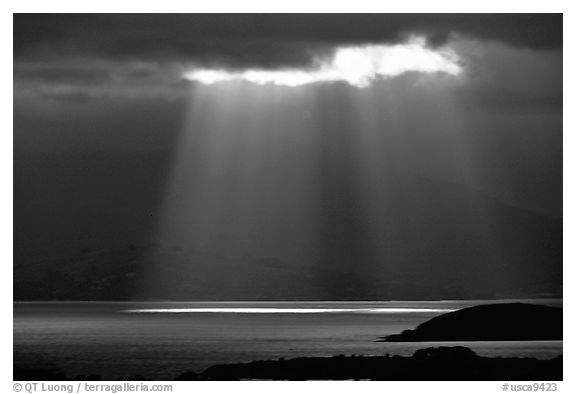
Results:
358 66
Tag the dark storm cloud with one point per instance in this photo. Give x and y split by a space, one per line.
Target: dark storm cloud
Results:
249 40
63 74
80 81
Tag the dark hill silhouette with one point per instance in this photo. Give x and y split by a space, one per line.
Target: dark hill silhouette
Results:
494 322
444 363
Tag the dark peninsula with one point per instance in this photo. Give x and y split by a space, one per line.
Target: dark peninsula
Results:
494 322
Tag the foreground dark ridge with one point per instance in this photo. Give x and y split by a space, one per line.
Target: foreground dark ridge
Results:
443 363
494 322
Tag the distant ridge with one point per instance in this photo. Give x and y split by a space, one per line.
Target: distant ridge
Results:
433 240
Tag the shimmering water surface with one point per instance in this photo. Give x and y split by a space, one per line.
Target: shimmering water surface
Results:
160 340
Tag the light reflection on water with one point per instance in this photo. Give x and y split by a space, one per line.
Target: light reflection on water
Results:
289 310
99 338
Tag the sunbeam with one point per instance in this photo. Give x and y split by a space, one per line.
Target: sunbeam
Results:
283 196
307 178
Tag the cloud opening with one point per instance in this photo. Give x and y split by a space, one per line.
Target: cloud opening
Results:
357 66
